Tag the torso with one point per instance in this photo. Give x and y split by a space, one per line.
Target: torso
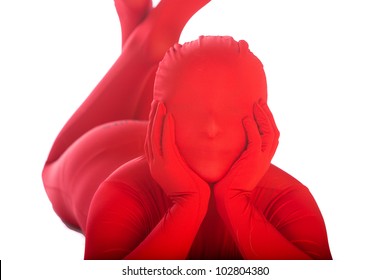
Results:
213 241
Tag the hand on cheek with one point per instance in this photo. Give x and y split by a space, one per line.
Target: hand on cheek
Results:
167 166
262 141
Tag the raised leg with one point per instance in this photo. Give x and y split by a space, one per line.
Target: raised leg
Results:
131 13
125 92
91 146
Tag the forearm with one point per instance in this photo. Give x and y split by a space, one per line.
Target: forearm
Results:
173 236
255 237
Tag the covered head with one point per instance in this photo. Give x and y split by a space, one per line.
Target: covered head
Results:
210 85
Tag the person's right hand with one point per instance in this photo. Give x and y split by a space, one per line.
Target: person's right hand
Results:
166 165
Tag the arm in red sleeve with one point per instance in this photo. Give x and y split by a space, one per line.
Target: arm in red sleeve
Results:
115 226
293 229
131 217
141 224
300 231
174 234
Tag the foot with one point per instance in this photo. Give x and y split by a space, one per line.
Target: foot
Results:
162 27
131 13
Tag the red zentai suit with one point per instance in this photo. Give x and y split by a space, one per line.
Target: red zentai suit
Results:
194 179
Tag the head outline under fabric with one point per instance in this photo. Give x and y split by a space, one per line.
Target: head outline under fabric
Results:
209 85
178 57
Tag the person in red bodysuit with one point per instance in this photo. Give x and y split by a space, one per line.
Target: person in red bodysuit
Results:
195 180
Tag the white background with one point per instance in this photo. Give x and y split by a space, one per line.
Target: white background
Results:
328 70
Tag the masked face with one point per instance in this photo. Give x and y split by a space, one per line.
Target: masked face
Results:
208 109
208 95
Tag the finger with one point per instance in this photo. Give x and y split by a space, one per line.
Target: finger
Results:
147 151
153 109
152 113
252 133
273 127
271 119
156 133
264 126
168 140
147 147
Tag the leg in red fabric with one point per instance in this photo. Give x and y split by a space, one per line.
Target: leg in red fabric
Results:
131 13
70 175
125 92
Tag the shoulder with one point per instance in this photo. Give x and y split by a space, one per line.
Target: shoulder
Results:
279 181
132 184
124 210
289 206
135 170
278 187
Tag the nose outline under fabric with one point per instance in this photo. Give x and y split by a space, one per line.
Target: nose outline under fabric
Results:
212 129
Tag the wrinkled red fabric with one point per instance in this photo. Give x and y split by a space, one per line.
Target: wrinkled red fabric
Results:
195 180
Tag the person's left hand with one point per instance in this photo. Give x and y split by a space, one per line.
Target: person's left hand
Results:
262 141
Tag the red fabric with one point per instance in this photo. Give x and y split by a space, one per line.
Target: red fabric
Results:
292 225
196 180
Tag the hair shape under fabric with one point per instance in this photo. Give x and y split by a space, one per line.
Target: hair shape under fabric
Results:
220 55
